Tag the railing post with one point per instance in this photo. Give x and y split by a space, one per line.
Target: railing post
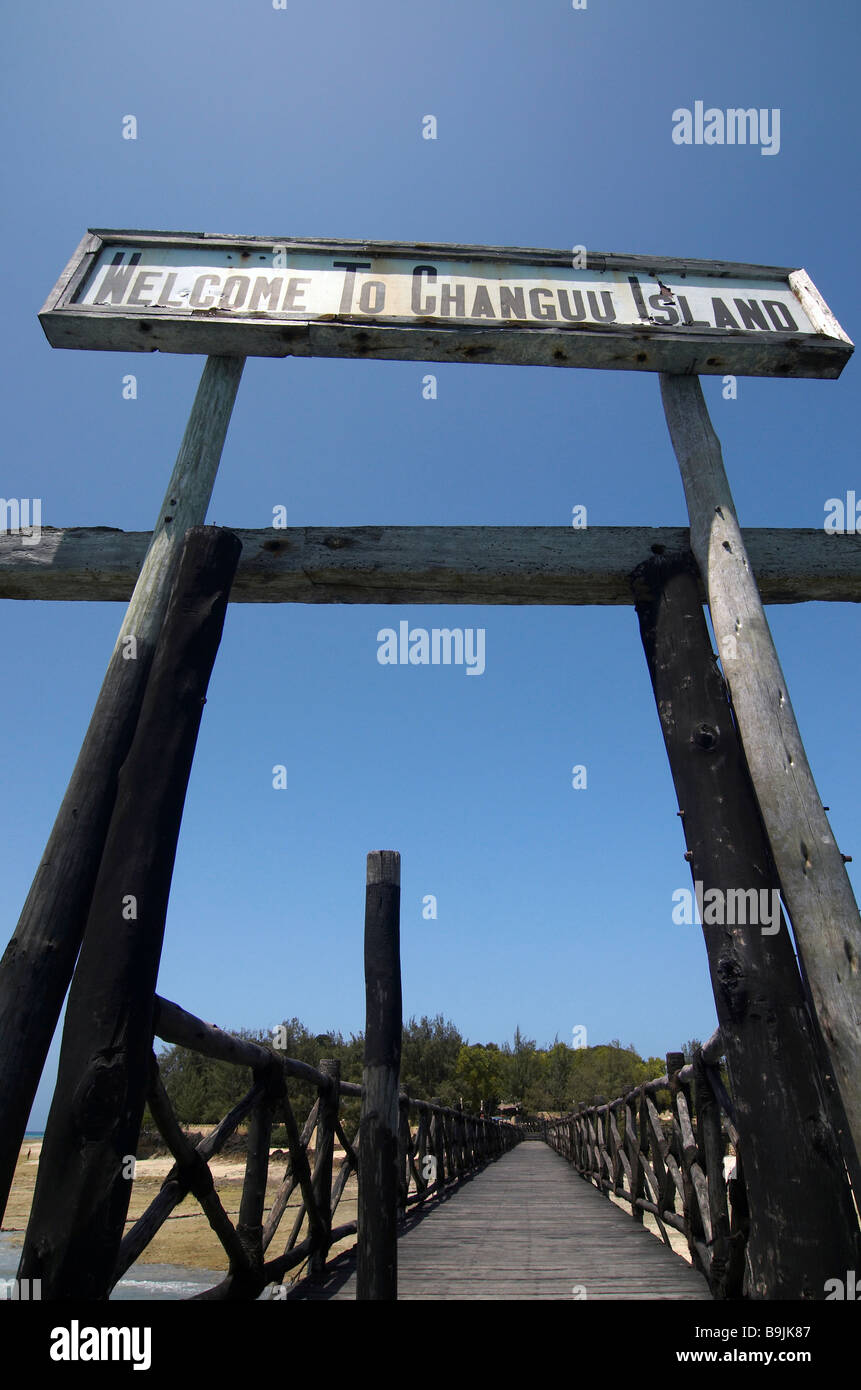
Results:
448 1141
376 1268
463 1151
686 1153
250 1226
469 1137
438 1135
600 1144
711 1142
579 1128
327 1114
404 1143
638 1181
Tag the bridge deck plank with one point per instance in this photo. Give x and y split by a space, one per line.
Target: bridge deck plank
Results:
528 1227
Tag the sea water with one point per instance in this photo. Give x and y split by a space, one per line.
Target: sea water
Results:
146 1282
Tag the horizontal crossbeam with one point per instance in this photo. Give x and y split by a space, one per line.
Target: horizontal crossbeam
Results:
428 564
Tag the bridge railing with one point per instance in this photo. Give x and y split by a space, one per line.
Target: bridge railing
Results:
436 1153
444 1147
266 1103
676 1174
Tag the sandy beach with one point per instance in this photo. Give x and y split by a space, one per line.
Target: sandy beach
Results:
186 1238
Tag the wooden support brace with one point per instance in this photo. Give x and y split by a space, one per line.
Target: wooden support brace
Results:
786 1134
431 564
810 867
83 1188
38 962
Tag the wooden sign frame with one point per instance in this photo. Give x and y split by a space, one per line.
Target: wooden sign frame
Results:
526 307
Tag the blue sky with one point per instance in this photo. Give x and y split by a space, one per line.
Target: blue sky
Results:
554 129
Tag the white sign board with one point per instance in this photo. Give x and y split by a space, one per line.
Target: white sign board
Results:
254 296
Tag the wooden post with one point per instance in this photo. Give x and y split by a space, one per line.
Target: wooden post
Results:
787 1139
810 867
84 1179
684 1151
632 1148
438 1141
430 564
403 1153
39 960
376 1264
249 1229
711 1141
327 1118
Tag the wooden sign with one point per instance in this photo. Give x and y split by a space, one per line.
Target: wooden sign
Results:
256 296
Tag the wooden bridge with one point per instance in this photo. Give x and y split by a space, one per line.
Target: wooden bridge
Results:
449 1205
527 1228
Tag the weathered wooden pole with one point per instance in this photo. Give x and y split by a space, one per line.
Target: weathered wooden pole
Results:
83 1184
324 1145
810 867
438 1144
38 962
377 1259
711 1143
429 564
249 1228
803 1227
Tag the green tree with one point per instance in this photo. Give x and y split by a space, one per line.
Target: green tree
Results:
479 1076
607 1071
429 1054
521 1069
558 1072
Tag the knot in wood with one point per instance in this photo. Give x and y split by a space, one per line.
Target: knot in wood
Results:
822 1137
733 984
100 1096
706 736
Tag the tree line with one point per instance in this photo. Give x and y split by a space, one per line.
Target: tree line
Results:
436 1062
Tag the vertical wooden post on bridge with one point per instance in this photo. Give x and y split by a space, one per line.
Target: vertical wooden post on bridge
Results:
249 1228
377 1257
437 1143
723 1275
38 962
803 1222
403 1153
87 1164
324 1147
810 868
685 1154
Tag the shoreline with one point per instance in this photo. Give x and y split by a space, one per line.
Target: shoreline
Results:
186 1240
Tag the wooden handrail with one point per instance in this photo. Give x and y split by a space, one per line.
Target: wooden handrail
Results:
456 1143
678 1178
